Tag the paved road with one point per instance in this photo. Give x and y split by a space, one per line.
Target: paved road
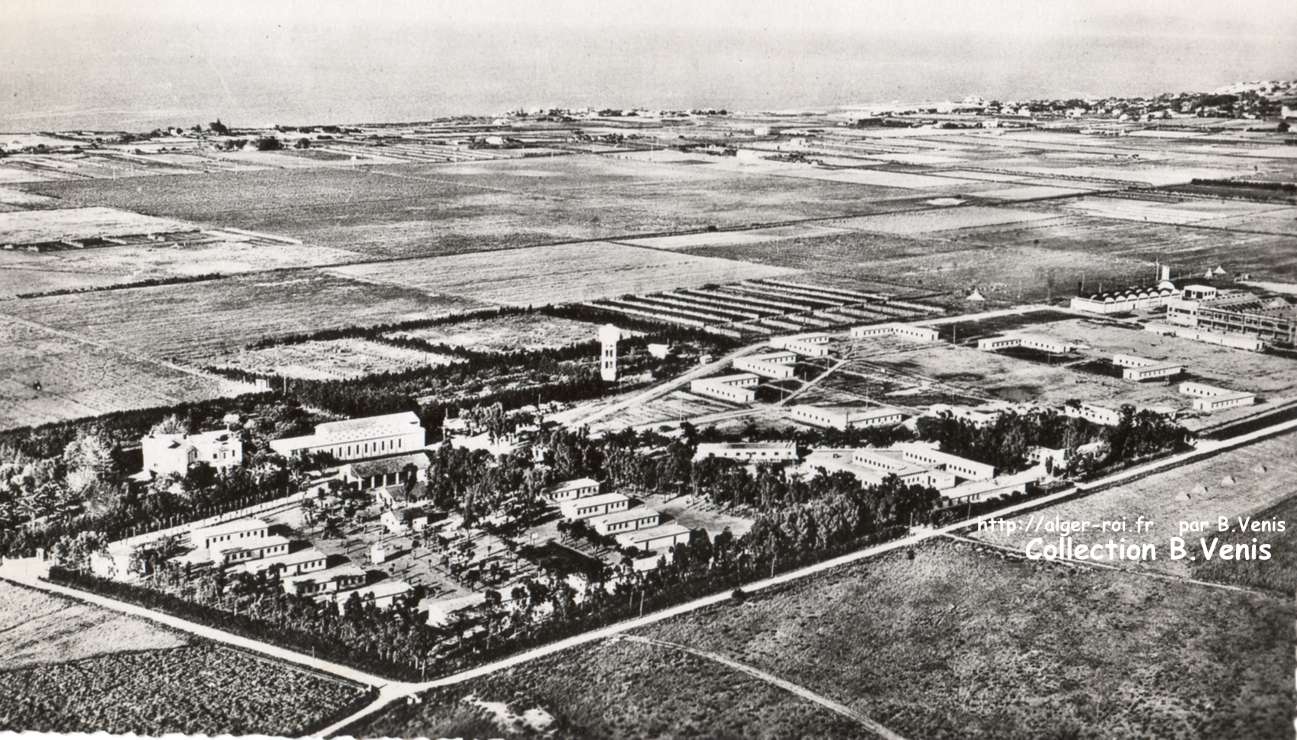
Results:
770 678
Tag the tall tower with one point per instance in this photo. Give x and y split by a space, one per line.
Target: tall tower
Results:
609 336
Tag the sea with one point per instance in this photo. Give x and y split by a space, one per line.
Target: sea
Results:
115 75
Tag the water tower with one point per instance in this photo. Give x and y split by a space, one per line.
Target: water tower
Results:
609 336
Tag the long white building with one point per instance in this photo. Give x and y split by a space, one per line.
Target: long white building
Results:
354 439
846 417
736 388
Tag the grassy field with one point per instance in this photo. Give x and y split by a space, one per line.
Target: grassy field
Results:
508 333
68 667
942 219
30 227
332 360
957 643
615 690
446 209
1242 482
46 376
560 273
27 272
208 319
1279 573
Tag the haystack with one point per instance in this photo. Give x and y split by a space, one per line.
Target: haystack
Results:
1228 480
1200 489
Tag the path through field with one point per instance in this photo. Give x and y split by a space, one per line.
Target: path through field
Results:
774 680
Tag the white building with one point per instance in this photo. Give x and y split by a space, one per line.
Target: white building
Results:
327 581
609 336
353 439
309 560
592 506
382 594
204 538
807 345
244 549
571 489
757 452
905 331
777 365
174 454
1029 341
736 388
960 466
1093 413
1211 398
846 417
1141 368
655 538
626 521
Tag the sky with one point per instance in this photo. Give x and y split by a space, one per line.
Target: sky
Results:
119 64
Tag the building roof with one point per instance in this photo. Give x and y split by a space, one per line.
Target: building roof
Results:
308 555
654 533
380 590
248 543
746 445
629 515
328 574
387 465
598 499
367 424
230 527
571 485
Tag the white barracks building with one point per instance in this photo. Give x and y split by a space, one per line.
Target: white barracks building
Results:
355 439
173 454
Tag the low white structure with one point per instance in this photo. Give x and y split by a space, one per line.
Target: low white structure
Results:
1125 301
1029 341
905 331
932 457
382 594
354 439
571 489
846 417
244 549
327 581
309 560
204 538
626 521
404 521
778 365
737 388
592 506
1247 342
387 471
1093 413
655 538
807 345
978 416
748 451
1140 368
174 454
1211 398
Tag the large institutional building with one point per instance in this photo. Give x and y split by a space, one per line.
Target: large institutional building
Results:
355 439
173 454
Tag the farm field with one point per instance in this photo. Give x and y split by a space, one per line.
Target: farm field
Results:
558 273
1181 211
444 209
70 667
960 643
337 359
945 219
612 690
1240 482
46 376
206 320
81 269
672 407
47 225
1277 574
507 333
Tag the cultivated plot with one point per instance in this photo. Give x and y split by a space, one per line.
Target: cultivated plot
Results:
507 333
944 219
46 376
560 273
337 359
211 318
52 225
